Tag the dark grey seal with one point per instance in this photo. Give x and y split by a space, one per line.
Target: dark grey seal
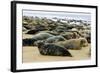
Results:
52 50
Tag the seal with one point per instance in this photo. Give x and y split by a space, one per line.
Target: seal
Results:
52 49
55 39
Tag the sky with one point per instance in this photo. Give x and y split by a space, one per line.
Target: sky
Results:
62 15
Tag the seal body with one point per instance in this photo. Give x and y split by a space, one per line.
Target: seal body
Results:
37 37
73 44
55 39
52 50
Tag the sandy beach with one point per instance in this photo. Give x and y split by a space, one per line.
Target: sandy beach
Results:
46 28
31 54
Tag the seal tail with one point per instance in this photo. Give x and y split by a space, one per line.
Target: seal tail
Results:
68 54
